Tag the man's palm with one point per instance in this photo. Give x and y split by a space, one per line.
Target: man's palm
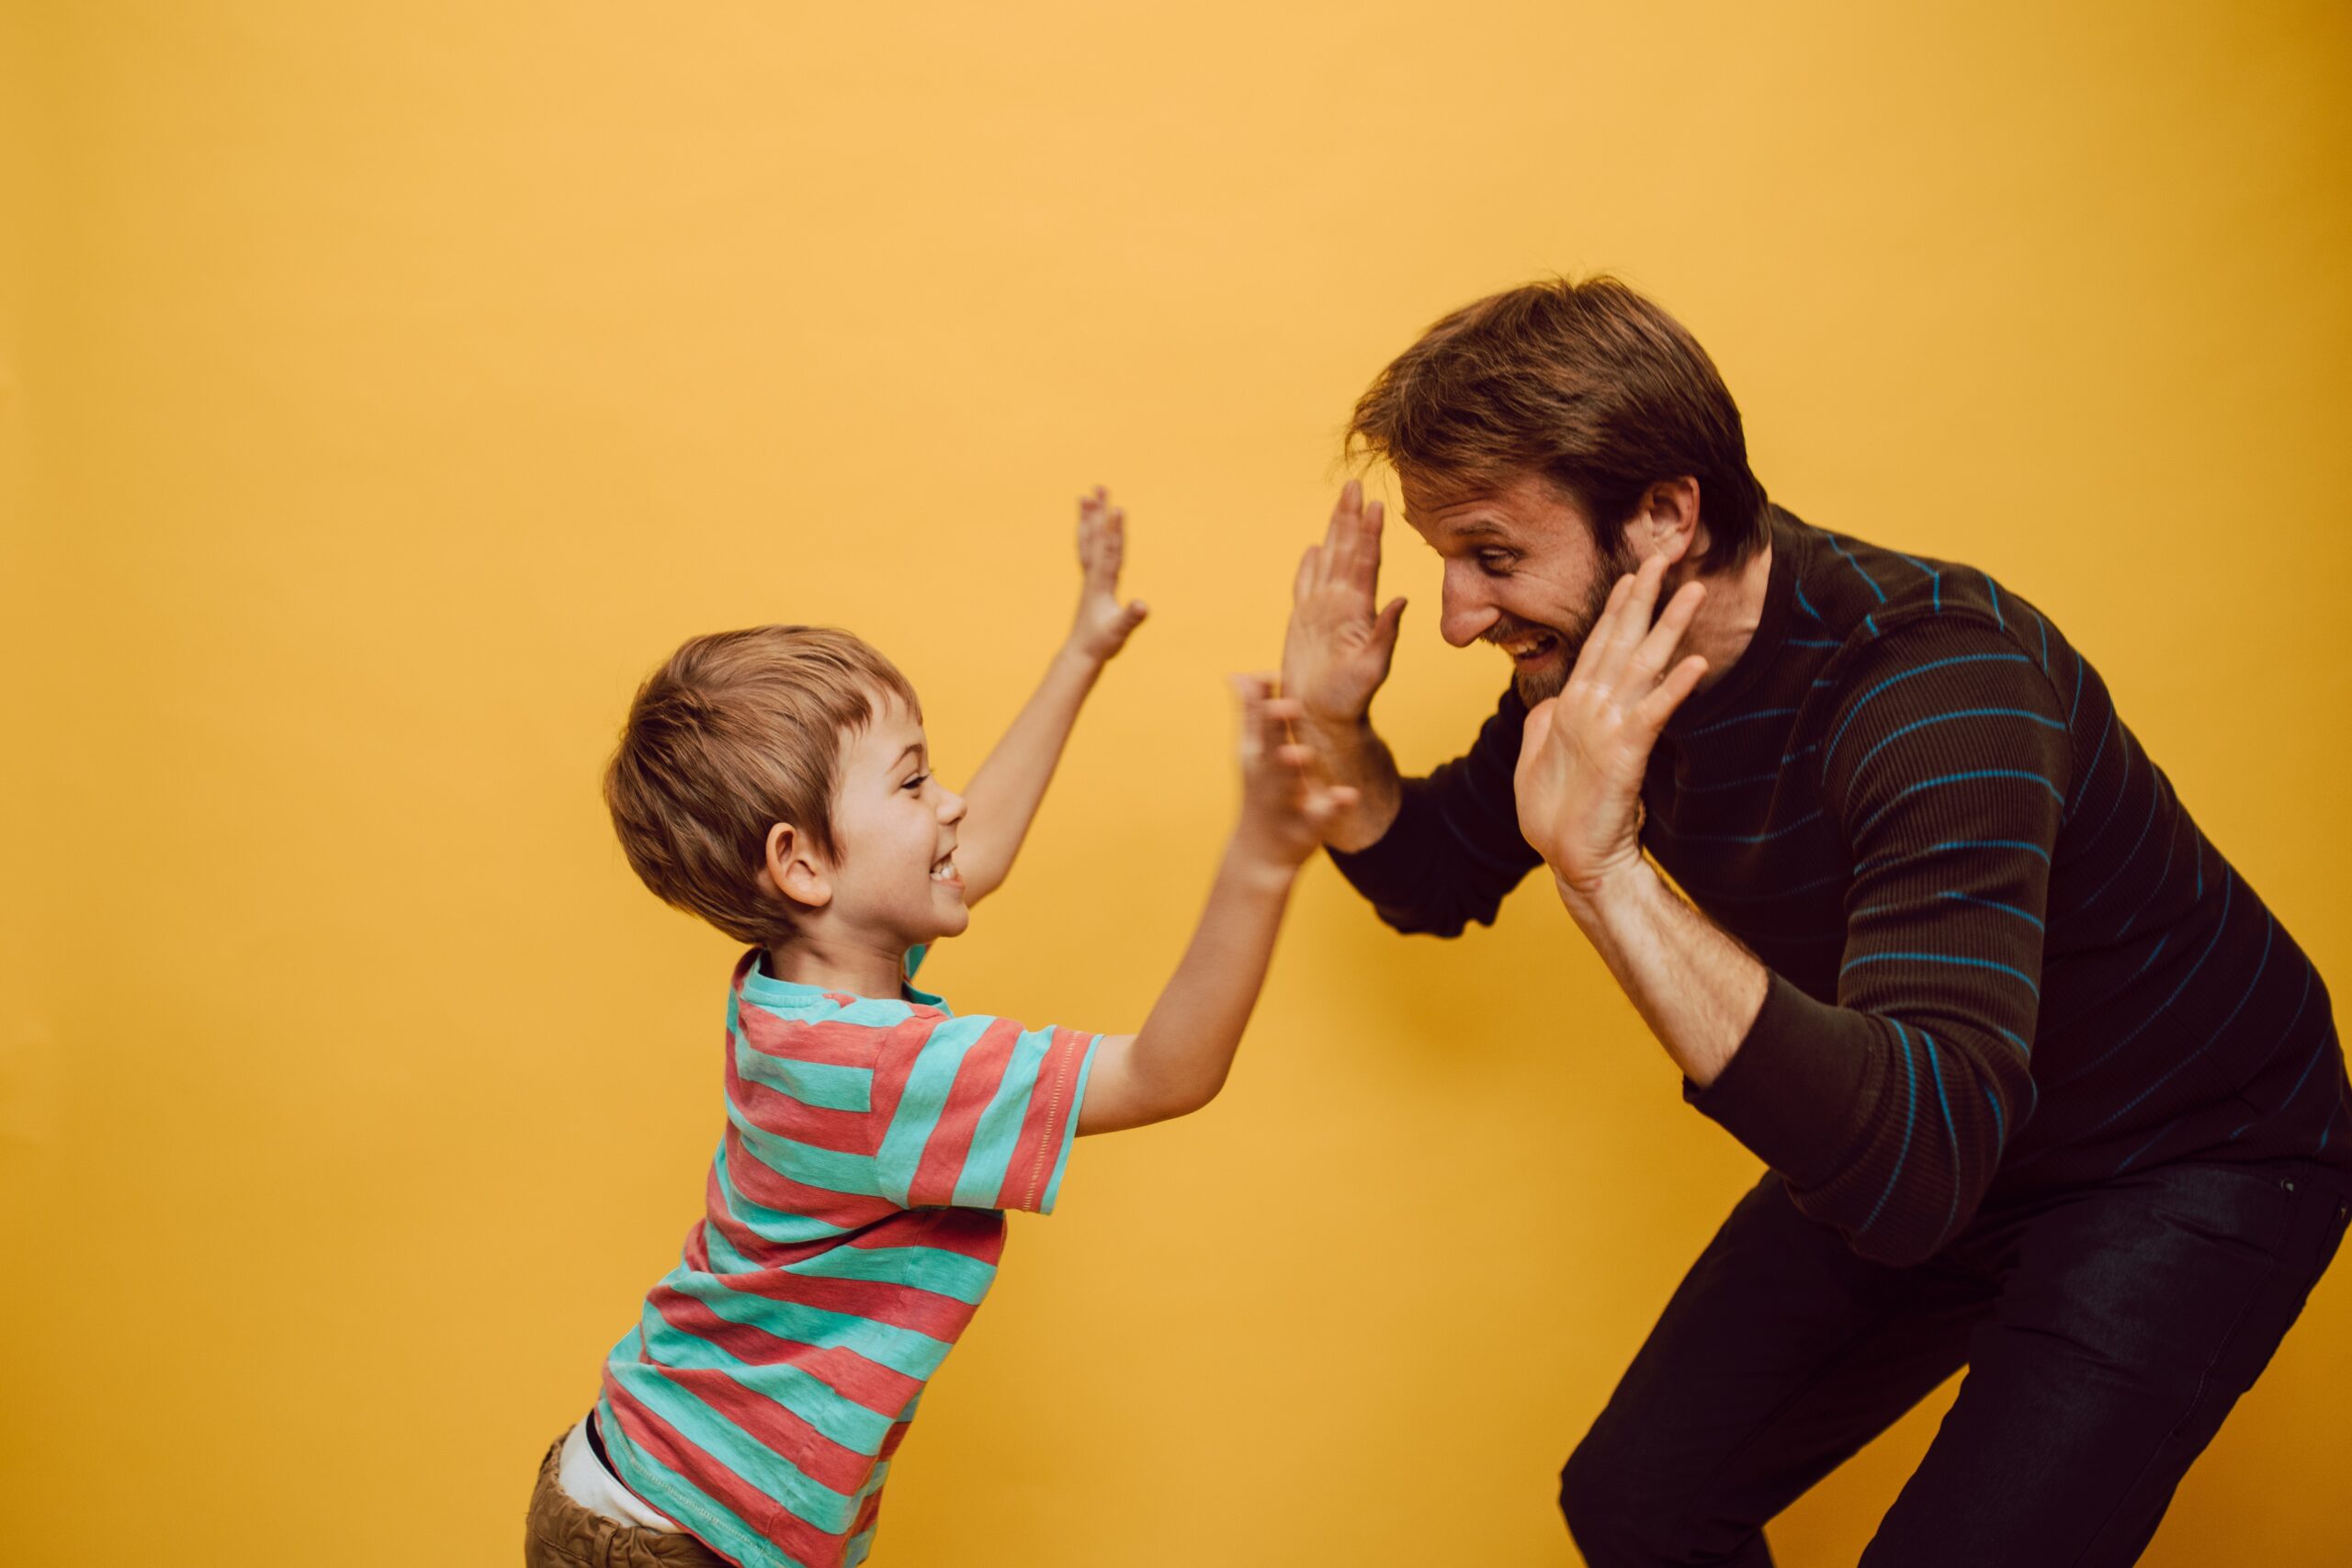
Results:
1338 649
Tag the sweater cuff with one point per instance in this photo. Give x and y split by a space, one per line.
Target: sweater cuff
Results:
1383 871
1790 1093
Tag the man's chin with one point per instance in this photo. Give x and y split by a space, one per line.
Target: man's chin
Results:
1538 681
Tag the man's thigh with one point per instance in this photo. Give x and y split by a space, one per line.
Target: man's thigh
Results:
2130 1319
1781 1352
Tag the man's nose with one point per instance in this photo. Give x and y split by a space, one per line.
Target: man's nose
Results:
1464 609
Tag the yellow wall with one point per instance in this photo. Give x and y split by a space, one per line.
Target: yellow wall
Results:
386 387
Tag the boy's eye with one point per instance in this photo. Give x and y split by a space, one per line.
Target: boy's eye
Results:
917 781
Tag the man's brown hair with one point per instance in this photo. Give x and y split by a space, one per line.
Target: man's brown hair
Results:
737 732
1589 384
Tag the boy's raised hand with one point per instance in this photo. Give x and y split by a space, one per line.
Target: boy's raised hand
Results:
1102 624
1287 798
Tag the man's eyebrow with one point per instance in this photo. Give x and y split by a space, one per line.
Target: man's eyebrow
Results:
1480 525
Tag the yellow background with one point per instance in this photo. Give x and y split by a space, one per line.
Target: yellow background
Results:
386 386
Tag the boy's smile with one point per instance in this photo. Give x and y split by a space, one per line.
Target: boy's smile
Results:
894 873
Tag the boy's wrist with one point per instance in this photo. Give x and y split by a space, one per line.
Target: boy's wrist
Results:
1078 659
1257 864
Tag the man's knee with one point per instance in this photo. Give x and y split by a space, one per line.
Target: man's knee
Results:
1600 1497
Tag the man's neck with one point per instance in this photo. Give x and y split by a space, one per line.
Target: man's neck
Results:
1726 622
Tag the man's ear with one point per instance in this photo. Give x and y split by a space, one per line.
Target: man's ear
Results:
1668 523
794 871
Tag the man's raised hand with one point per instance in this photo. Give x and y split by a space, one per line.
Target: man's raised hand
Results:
1337 650
1581 761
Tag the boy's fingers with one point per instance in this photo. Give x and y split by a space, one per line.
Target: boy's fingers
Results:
1111 543
1245 694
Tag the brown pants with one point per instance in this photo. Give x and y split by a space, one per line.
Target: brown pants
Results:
559 1533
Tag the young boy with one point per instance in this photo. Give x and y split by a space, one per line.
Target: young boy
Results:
775 782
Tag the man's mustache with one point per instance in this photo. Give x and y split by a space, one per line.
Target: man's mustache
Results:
1510 627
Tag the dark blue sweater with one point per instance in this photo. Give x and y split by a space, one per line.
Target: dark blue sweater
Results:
2004 958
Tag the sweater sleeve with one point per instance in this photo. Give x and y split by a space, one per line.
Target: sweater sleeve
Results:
1947 771
1454 849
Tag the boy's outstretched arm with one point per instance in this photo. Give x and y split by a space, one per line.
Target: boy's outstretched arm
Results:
1002 798
1178 1061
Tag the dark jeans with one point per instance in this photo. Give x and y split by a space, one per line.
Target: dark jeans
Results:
2107 1332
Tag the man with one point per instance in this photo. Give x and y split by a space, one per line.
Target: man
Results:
2044 1090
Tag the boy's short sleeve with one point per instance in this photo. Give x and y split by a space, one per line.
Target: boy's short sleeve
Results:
983 1115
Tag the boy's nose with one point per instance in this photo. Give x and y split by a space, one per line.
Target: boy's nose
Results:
951 808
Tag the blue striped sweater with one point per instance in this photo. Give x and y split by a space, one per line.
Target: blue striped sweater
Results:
2005 960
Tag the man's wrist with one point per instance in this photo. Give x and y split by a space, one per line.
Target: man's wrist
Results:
1591 897
1353 754
1338 737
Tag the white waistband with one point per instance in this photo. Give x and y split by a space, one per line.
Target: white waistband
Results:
586 1482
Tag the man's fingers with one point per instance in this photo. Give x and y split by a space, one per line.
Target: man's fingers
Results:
1343 513
1630 623
1657 650
1360 563
1538 728
1654 710
1592 659
1384 625
1309 571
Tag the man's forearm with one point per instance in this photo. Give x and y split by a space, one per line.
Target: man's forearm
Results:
1359 759
1697 989
1004 794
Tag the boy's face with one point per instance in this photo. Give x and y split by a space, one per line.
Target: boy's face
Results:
894 875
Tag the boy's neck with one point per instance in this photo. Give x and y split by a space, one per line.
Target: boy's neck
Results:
858 968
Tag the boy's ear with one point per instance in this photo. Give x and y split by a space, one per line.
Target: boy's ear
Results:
793 870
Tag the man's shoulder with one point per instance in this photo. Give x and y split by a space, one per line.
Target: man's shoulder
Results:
1905 610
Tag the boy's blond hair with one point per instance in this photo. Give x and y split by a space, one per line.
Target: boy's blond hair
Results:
737 732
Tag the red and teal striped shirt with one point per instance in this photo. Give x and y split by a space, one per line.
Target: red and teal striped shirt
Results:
853 1217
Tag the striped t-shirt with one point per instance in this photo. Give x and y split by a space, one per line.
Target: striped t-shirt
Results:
2005 958
853 1219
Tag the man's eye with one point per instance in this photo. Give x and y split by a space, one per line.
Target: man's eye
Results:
1495 560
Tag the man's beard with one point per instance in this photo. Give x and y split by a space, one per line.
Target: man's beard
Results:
1550 678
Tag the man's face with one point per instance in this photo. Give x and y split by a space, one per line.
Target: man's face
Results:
1521 572
894 827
